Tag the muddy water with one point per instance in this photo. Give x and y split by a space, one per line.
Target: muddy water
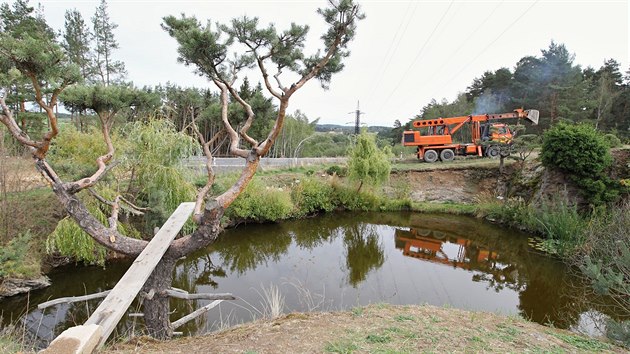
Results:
339 261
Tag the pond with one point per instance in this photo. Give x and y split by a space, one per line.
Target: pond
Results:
339 261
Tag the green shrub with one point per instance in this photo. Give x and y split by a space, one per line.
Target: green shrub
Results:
612 140
583 154
563 226
337 170
260 203
15 260
398 204
559 223
73 154
367 164
312 196
576 149
619 332
348 198
513 212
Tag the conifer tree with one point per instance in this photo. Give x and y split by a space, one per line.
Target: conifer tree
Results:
109 70
76 43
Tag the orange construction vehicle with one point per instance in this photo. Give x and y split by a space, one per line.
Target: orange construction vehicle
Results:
434 138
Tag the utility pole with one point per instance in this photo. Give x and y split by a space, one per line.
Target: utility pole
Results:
358 114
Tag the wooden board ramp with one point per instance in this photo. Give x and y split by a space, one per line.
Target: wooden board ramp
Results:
101 324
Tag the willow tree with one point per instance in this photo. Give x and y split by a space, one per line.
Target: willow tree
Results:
209 49
367 164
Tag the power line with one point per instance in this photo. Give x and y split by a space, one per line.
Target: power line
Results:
394 43
483 51
459 48
404 76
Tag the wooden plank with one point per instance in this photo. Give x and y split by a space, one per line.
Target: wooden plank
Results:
111 310
75 340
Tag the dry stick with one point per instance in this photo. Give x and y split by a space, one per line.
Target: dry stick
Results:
201 195
195 314
197 296
71 299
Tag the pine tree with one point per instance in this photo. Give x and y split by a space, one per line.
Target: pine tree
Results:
76 43
108 69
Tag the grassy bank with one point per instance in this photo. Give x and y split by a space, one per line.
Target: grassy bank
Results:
381 328
26 219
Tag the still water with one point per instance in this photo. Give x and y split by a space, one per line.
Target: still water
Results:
339 261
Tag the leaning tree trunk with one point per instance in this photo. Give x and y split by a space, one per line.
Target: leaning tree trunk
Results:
156 310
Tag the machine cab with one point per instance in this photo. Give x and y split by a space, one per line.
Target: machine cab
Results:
501 133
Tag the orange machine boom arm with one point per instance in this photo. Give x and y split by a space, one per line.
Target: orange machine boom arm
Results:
531 115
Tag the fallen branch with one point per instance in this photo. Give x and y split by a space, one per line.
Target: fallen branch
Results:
195 314
199 296
71 299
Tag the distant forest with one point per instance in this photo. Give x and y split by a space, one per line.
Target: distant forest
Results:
550 83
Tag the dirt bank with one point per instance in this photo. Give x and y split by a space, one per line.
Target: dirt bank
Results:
456 185
379 328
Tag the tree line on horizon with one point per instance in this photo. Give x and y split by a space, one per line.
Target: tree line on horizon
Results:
552 83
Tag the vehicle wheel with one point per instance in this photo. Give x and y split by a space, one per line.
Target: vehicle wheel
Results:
493 152
423 232
430 156
447 155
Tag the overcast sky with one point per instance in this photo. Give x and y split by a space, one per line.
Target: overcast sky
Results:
405 52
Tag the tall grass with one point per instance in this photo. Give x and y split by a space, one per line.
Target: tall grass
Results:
272 301
10 340
563 227
604 260
558 222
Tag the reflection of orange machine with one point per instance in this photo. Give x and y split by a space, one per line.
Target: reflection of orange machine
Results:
434 137
430 245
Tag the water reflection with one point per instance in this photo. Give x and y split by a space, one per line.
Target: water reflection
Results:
454 250
340 261
364 251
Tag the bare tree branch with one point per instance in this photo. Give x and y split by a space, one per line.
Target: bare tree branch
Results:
132 208
265 75
101 161
42 149
113 219
82 216
203 192
264 147
7 119
250 117
277 77
234 140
